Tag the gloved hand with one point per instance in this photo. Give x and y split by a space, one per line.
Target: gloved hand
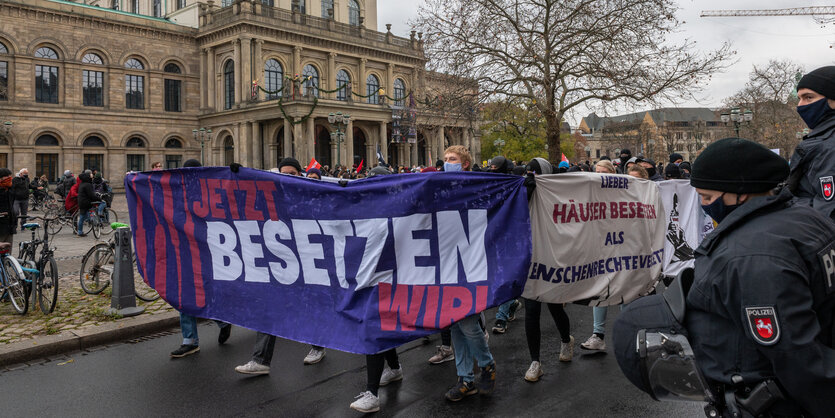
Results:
235 167
530 184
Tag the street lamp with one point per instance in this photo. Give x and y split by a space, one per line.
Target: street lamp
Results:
738 117
202 135
339 123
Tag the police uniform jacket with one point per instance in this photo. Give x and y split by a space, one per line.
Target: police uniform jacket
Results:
762 302
812 177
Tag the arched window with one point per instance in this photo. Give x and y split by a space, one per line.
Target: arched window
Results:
46 77
373 89
92 81
46 53
46 140
134 64
173 143
311 85
173 89
135 142
399 92
172 68
229 150
229 84
93 141
327 9
353 13
92 58
273 78
343 79
4 75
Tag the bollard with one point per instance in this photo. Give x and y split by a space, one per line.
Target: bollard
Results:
123 300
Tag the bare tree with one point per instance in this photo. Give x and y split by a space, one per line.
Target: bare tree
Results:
770 94
559 54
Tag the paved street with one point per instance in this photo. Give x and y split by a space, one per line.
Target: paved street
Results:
139 379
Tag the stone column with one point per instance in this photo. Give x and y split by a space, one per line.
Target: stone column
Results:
238 93
245 145
440 142
362 90
390 80
383 141
246 69
288 140
297 60
334 154
299 151
211 78
371 152
331 74
258 67
257 145
310 138
349 144
413 151
203 77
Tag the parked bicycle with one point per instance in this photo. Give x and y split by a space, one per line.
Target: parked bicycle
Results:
41 274
97 269
99 217
12 285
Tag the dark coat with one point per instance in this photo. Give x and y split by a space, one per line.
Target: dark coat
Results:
813 166
20 188
86 195
8 224
765 255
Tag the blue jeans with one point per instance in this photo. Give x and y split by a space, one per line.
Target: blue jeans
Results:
469 342
504 312
83 215
102 211
188 327
599 315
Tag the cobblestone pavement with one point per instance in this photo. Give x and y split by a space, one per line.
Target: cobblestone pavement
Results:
74 309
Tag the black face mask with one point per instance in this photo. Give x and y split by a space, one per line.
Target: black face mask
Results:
651 171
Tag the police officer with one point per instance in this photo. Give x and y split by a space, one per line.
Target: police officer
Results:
813 162
761 307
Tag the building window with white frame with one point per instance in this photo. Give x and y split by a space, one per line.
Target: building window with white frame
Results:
373 89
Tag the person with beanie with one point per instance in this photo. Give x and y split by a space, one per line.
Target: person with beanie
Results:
676 158
314 173
761 308
813 162
649 165
685 168
672 172
562 167
625 155
188 323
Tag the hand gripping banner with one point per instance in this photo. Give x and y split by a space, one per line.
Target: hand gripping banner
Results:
686 222
597 238
361 268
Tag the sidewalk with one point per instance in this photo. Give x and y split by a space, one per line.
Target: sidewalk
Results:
79 320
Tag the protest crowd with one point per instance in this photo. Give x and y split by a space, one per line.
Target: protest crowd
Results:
759 311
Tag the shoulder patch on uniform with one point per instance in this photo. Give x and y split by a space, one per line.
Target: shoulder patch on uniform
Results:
827 258
763 323
827 187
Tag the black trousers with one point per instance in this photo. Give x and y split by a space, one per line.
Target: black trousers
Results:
533 311
375 364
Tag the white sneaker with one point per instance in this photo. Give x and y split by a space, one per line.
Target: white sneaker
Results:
594 343
253 368
391 375
444 353
314 356
567 350
534 372
366 402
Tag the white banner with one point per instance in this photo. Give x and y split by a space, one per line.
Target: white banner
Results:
686 223
597 238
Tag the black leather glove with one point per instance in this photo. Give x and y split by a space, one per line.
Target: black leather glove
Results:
235 167
530 184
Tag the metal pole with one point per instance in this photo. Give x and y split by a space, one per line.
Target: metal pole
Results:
123 298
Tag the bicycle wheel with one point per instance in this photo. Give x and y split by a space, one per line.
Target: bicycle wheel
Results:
108 218
86 228
55 224
96 224
96 268
47 286
142 290
13 276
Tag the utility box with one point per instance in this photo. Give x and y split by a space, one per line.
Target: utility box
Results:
123 300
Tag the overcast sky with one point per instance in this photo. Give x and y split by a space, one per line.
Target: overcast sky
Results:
755 39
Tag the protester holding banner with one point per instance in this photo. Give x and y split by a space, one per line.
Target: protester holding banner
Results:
761 307
605 166
468 335
533 308
637 171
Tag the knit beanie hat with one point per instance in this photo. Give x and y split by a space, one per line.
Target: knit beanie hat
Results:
821 81
738 165
675 157
292 162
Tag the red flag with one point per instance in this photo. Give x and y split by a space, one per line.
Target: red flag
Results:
314 164
359 167
564 158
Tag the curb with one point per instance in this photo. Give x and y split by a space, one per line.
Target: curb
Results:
82 339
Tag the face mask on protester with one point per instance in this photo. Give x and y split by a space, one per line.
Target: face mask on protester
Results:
812 113
651 171
453 167
718 210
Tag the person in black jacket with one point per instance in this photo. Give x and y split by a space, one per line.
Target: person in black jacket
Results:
761 308
7 220
20 191
813 162
86 197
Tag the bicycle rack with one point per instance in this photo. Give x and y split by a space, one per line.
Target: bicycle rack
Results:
123 299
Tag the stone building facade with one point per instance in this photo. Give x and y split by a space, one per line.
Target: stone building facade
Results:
87 86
